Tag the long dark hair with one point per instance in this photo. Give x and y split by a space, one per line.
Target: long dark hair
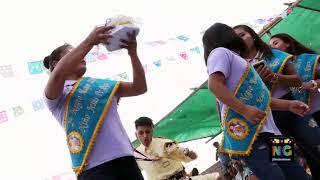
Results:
295 47
56 55
221 35
259 44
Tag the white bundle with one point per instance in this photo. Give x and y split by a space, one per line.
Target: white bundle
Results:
122 25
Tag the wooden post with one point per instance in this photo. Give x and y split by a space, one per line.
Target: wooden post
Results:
303 7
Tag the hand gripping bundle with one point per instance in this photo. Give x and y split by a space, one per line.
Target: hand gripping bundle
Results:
122 25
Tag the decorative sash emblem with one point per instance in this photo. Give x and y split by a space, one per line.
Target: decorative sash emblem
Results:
238 129
75 142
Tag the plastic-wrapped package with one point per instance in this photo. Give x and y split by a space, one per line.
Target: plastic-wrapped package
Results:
122 25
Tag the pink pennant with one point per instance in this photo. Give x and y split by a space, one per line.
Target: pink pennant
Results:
56 177
270 19
184 55
3 116
102 56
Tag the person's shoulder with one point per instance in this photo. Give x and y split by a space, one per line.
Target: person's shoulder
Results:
165 143
222 53
140 148
274 50
221 50
307 55
163 139
54 104
278 53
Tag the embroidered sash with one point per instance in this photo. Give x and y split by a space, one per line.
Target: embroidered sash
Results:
305 65
276 64
239 133
86 107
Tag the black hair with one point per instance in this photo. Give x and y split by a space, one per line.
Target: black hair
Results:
194 172
56 55
222 35
295 47
259 44
143 121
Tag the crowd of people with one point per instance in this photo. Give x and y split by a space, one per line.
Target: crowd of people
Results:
262 90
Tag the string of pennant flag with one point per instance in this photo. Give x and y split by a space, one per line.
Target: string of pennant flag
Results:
36 68
37 105
264 21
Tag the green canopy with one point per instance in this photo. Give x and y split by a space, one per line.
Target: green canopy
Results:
313 4
196 117
302 23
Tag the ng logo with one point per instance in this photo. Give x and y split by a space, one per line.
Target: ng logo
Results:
282 149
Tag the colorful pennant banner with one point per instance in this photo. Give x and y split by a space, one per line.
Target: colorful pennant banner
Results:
6 71
183 38
157 63
184 55
156 43
102 56
17 111
195 49
123 75
90 57
171 58
35 67
38 105
3 116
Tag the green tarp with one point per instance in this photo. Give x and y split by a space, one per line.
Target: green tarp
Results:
315 4
197 118
194 118
302 24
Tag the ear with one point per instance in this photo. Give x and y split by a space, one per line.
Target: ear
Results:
136 135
